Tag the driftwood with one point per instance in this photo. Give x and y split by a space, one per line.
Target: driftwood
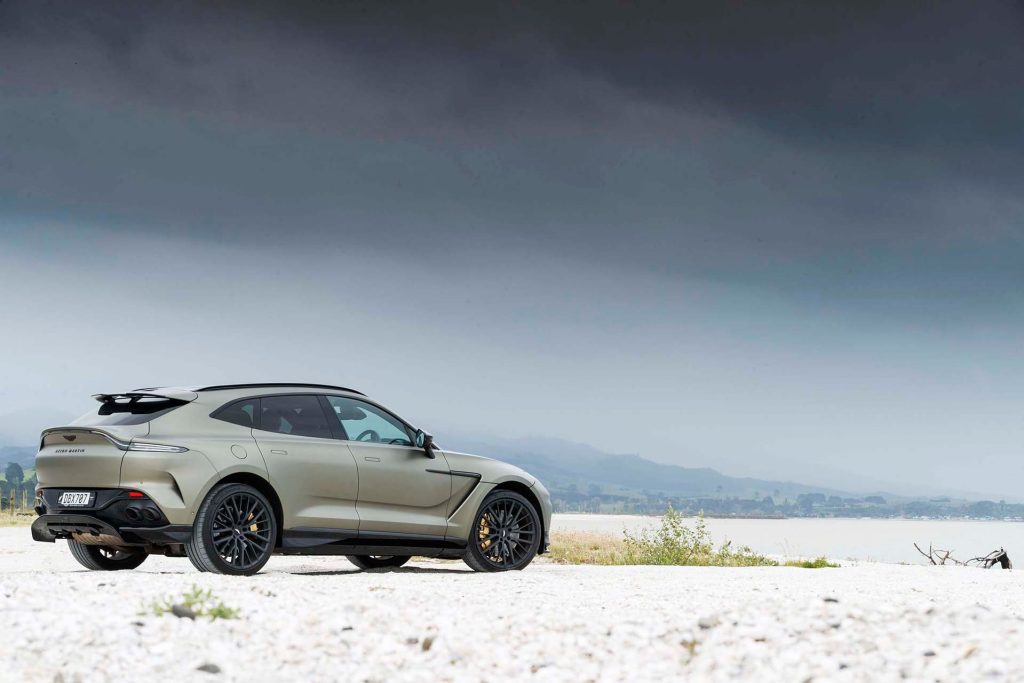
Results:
938 556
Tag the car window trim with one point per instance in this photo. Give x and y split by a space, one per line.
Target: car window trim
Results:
333 422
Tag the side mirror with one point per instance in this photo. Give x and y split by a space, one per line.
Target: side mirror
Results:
426 442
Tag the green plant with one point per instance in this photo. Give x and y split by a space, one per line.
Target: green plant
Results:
195 603
675 543
817 563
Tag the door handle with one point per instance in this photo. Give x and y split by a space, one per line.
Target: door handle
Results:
279 452
368 459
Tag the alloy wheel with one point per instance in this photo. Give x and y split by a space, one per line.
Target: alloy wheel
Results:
242 531
506 532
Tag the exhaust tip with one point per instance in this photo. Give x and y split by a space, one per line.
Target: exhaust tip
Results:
133 514
150 514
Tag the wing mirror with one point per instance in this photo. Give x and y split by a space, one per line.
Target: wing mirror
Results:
426 442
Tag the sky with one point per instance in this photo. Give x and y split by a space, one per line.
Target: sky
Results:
779 239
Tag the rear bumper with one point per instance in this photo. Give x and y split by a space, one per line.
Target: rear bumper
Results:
48 528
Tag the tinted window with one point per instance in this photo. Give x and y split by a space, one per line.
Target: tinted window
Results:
239 413
365 422
300 415
123 410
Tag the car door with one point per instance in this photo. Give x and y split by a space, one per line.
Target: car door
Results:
313 472
398 492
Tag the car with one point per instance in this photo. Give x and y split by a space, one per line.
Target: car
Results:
229 475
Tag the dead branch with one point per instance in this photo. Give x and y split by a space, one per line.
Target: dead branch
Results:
992 559
926 554
939 556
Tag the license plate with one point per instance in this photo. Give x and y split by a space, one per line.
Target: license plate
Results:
74 498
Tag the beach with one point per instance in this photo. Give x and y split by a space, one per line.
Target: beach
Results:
318 619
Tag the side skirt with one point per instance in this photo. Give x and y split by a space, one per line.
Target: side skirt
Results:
316 541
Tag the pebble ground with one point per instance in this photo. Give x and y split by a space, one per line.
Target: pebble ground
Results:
318 619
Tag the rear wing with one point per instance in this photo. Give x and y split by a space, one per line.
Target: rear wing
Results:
144 402
174 393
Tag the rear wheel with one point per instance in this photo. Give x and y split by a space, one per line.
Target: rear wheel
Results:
103 558
234 532
378 561
506 533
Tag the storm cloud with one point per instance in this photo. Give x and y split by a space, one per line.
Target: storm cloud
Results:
777 238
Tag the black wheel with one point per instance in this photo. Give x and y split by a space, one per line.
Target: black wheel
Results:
102 558
506 533
378 561
234 532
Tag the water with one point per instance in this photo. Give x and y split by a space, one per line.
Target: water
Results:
879 540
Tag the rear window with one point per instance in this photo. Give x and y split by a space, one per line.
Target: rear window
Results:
124 410
240 413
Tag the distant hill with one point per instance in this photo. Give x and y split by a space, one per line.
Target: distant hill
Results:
567 466
23 455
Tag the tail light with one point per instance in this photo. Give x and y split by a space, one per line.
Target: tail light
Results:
155 448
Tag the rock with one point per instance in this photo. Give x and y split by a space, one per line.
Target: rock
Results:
209 668
708 622
830 599
427 643
183 612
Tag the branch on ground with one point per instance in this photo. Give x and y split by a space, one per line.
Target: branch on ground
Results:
939 556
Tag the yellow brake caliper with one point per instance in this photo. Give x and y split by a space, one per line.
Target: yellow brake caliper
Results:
485 530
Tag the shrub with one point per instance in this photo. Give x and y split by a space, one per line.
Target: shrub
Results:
674 543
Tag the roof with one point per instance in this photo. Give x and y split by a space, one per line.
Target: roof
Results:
304 385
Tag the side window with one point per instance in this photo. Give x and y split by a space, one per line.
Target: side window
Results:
300 415
239 413
368 423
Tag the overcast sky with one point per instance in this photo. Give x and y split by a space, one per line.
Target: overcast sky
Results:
778 240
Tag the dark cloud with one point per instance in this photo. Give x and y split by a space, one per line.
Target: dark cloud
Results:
770 141
780 209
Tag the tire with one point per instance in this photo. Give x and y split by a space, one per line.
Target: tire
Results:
102 558
506 534
235 531
378 561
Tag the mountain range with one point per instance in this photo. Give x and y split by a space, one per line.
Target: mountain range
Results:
567 466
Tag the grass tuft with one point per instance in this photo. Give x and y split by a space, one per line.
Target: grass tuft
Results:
195 603
581 547
817 563
17 519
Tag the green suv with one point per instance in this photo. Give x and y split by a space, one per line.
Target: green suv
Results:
230 475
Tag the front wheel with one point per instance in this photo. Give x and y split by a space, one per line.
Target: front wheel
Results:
102 558
234 532
506 533
378 561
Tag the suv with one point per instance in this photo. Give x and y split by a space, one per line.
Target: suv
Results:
229 475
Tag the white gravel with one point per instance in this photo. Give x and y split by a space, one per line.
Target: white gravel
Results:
319 620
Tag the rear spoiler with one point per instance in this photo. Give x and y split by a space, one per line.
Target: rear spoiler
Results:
143 402
183 395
